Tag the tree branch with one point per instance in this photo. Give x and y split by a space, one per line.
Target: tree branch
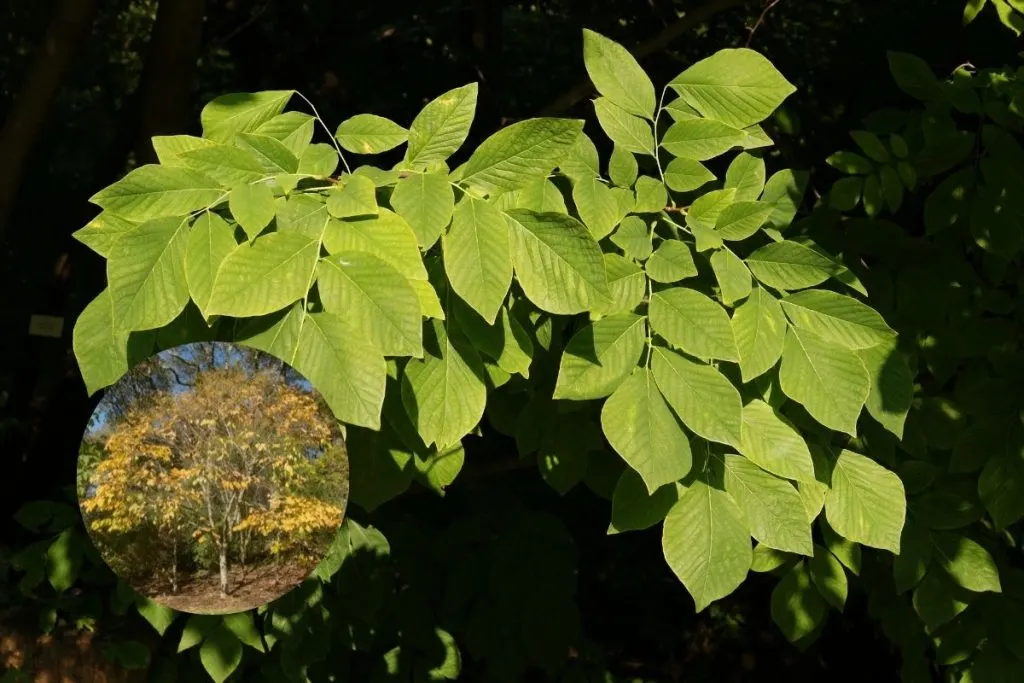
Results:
645 49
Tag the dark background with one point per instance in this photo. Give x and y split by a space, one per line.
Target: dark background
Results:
84 84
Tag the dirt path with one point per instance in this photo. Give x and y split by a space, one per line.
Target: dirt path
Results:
201 594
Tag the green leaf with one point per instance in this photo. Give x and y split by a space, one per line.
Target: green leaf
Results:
442 126
146 274
937 600
170 148
304 214
505 341
773 444
241 624
866 503
969 564
773 509
622 167
641 428
209 243
478 256
693 322
103 232
627 131
438 470
671 261
785 189
386 236
828 577
319 160
706 402
1001 484
293 129
741 220
913 76
910 566
196 629
797 607
221 653
557 262
768 559
633 238
759 328
266 276
706 543
158 616
830 381
253 207
790 265
444 394
617 75
892 385
633 509
701 139
581 161
837 319
846 551
734 282
651 195
101 349
228 115
349 373
154 191
379 472
972 8
597 206
599 357
370 296
849 162
736 86
846 193
63 560
426 202
562 457
626 285
686 175
520 152
270 153
357 198
706 209
871 145
746 174
892 188
370 134
872 196
228 165
540 195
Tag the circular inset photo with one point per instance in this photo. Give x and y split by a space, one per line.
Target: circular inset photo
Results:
212 478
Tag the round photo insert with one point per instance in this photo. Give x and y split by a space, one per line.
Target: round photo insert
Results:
212 478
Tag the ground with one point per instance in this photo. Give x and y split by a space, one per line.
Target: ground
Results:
201 593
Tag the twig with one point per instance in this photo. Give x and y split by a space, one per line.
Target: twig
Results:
760 20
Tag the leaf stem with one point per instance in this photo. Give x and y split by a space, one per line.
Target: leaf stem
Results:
657 160
327 130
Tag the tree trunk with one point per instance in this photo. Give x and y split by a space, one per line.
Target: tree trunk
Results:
174 566
169 72
67 32
223 569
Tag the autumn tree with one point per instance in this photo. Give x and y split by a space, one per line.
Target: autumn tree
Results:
233 455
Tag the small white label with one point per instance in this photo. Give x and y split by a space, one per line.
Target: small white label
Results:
46 326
